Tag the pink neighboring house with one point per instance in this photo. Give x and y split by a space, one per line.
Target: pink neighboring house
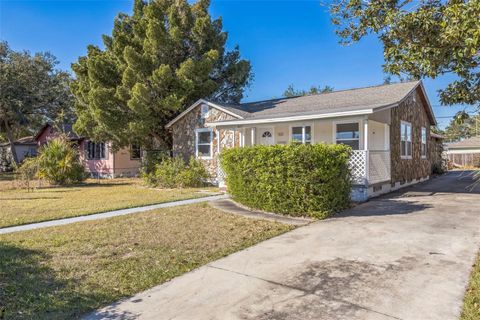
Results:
98 158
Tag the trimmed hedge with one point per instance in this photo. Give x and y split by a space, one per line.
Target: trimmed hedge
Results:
295 179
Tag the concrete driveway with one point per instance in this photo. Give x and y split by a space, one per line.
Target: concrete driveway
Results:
407 255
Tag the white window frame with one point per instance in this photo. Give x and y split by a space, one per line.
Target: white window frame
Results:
197 144
302 125
406 155
360 132
423 142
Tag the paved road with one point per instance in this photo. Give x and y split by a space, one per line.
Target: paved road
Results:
403 256
109 214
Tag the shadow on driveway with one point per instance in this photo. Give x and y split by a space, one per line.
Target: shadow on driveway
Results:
401 201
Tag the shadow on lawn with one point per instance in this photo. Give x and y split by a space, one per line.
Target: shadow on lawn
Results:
31 198
30 289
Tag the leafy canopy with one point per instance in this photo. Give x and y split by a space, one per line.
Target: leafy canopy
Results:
32 92
426 38
292 92
158 61
462 126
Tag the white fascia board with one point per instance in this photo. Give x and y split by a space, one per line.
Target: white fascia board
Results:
428 103
290 119
198 102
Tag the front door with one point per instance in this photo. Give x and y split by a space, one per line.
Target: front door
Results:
266 136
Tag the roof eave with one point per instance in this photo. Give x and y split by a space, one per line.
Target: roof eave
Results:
291 118
198 102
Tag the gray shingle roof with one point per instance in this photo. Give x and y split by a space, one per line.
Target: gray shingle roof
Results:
337 101
473 142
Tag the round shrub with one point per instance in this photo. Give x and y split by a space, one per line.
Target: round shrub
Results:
174 173
295 179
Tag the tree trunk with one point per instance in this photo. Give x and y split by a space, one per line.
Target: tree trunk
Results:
11 141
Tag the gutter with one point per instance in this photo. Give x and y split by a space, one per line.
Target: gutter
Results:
290 119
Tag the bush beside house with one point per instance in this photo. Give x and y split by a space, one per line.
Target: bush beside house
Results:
298 180
175 173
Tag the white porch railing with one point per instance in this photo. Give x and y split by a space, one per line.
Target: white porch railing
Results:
370 166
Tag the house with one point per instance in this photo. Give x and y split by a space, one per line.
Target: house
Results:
465 153
24 147
436 149
388 128
99 158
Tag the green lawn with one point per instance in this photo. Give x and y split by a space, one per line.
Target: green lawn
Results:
63 272
19 206
471 303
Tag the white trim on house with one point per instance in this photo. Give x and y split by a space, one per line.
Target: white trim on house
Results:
302 125
406 156
197 144
288 119
361 136
263 129
422 87
423 133
199 102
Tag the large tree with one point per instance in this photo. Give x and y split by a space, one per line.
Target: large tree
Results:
32 91
157 61
462 126
425 38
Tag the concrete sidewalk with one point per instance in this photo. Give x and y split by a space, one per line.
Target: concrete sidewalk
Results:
108 214
407 255
229 206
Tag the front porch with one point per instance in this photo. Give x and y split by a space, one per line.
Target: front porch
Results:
369 137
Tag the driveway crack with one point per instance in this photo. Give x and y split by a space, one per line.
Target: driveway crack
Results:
304 291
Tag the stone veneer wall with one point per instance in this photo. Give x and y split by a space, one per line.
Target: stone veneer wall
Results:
411 110
183 135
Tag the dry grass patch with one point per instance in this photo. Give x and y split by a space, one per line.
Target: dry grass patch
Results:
63 272
471 302
21 206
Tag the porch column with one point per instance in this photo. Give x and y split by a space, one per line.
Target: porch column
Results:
234 136
365 134
242 141
365 148
253 133
386 136
217 133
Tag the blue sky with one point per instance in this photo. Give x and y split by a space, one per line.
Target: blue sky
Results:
288 42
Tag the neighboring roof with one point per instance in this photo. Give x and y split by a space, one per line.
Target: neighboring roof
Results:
333 104
67 128
22 141
473 142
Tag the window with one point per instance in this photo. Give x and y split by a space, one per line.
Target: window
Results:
349 134
406 140
302 134
424 142
135 151
267 134
203 143
95 151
